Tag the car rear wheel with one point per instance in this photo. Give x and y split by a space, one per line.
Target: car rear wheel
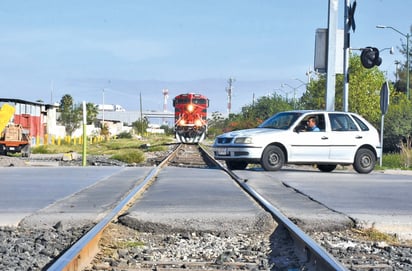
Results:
365 161
326 168
233 165
273 158
3 149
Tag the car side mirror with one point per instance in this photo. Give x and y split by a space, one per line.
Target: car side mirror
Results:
300 128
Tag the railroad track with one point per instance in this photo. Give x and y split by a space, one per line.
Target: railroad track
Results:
81 254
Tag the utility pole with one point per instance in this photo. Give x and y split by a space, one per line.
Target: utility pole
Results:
331 59
103 110
165 92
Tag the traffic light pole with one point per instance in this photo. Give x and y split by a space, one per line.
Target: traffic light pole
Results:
331 55
346 47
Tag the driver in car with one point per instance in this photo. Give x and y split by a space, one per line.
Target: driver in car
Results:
312 125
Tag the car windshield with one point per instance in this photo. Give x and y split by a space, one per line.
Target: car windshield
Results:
281 121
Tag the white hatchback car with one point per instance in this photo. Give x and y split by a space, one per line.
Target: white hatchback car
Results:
343 138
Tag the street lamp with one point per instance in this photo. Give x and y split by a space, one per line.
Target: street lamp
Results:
407 36
303 83
286 93
294 92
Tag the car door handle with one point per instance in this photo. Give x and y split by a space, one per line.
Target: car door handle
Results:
324 137
359 137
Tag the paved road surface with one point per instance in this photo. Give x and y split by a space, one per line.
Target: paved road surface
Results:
379 200
376 199
24 190
197 199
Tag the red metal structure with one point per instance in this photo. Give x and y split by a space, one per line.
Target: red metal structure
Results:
30 115
21 121
190 117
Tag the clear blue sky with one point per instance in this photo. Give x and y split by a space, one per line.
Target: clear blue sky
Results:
52 48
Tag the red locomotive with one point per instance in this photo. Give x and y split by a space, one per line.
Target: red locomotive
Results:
190 117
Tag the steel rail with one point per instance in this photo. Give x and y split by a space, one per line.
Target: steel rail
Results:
79 255
316 255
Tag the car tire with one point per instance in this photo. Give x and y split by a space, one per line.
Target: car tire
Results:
273 158
3 150
239 165
326 168
365 161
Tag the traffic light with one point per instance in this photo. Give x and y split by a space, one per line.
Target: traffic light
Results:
370 57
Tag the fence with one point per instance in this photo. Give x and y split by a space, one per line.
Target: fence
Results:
53 140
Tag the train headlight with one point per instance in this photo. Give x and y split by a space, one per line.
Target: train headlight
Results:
190 107
198 122
243 140
182 122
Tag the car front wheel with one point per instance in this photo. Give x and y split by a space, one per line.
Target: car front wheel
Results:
273 158
365 161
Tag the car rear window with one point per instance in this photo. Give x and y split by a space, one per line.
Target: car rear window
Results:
342 122
361 124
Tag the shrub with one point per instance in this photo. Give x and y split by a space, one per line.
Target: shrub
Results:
406 154
124 135
129 156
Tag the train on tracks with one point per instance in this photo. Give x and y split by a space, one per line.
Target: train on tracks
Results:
190 117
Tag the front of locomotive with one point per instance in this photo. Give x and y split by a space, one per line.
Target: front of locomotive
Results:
190 117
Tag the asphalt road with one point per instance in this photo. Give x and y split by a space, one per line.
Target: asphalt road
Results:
379 200
25 190
197 199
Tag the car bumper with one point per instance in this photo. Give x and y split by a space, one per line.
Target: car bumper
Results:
230 153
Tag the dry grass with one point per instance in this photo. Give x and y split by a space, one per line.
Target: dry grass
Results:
372 234
122 149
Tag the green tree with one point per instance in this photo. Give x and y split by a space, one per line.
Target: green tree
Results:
314 97
403 69
70 114
266 106
92 112
364 89
168 130
252 115
216 124
398 123
140 126
364 99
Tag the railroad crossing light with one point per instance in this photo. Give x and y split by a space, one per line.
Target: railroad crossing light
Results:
370 57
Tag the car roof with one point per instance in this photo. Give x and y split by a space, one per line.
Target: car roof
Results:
316 111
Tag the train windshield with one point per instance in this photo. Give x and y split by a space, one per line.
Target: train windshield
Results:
281 121
199 101
182 101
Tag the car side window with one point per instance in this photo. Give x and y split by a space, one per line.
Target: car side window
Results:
319 120
342 122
